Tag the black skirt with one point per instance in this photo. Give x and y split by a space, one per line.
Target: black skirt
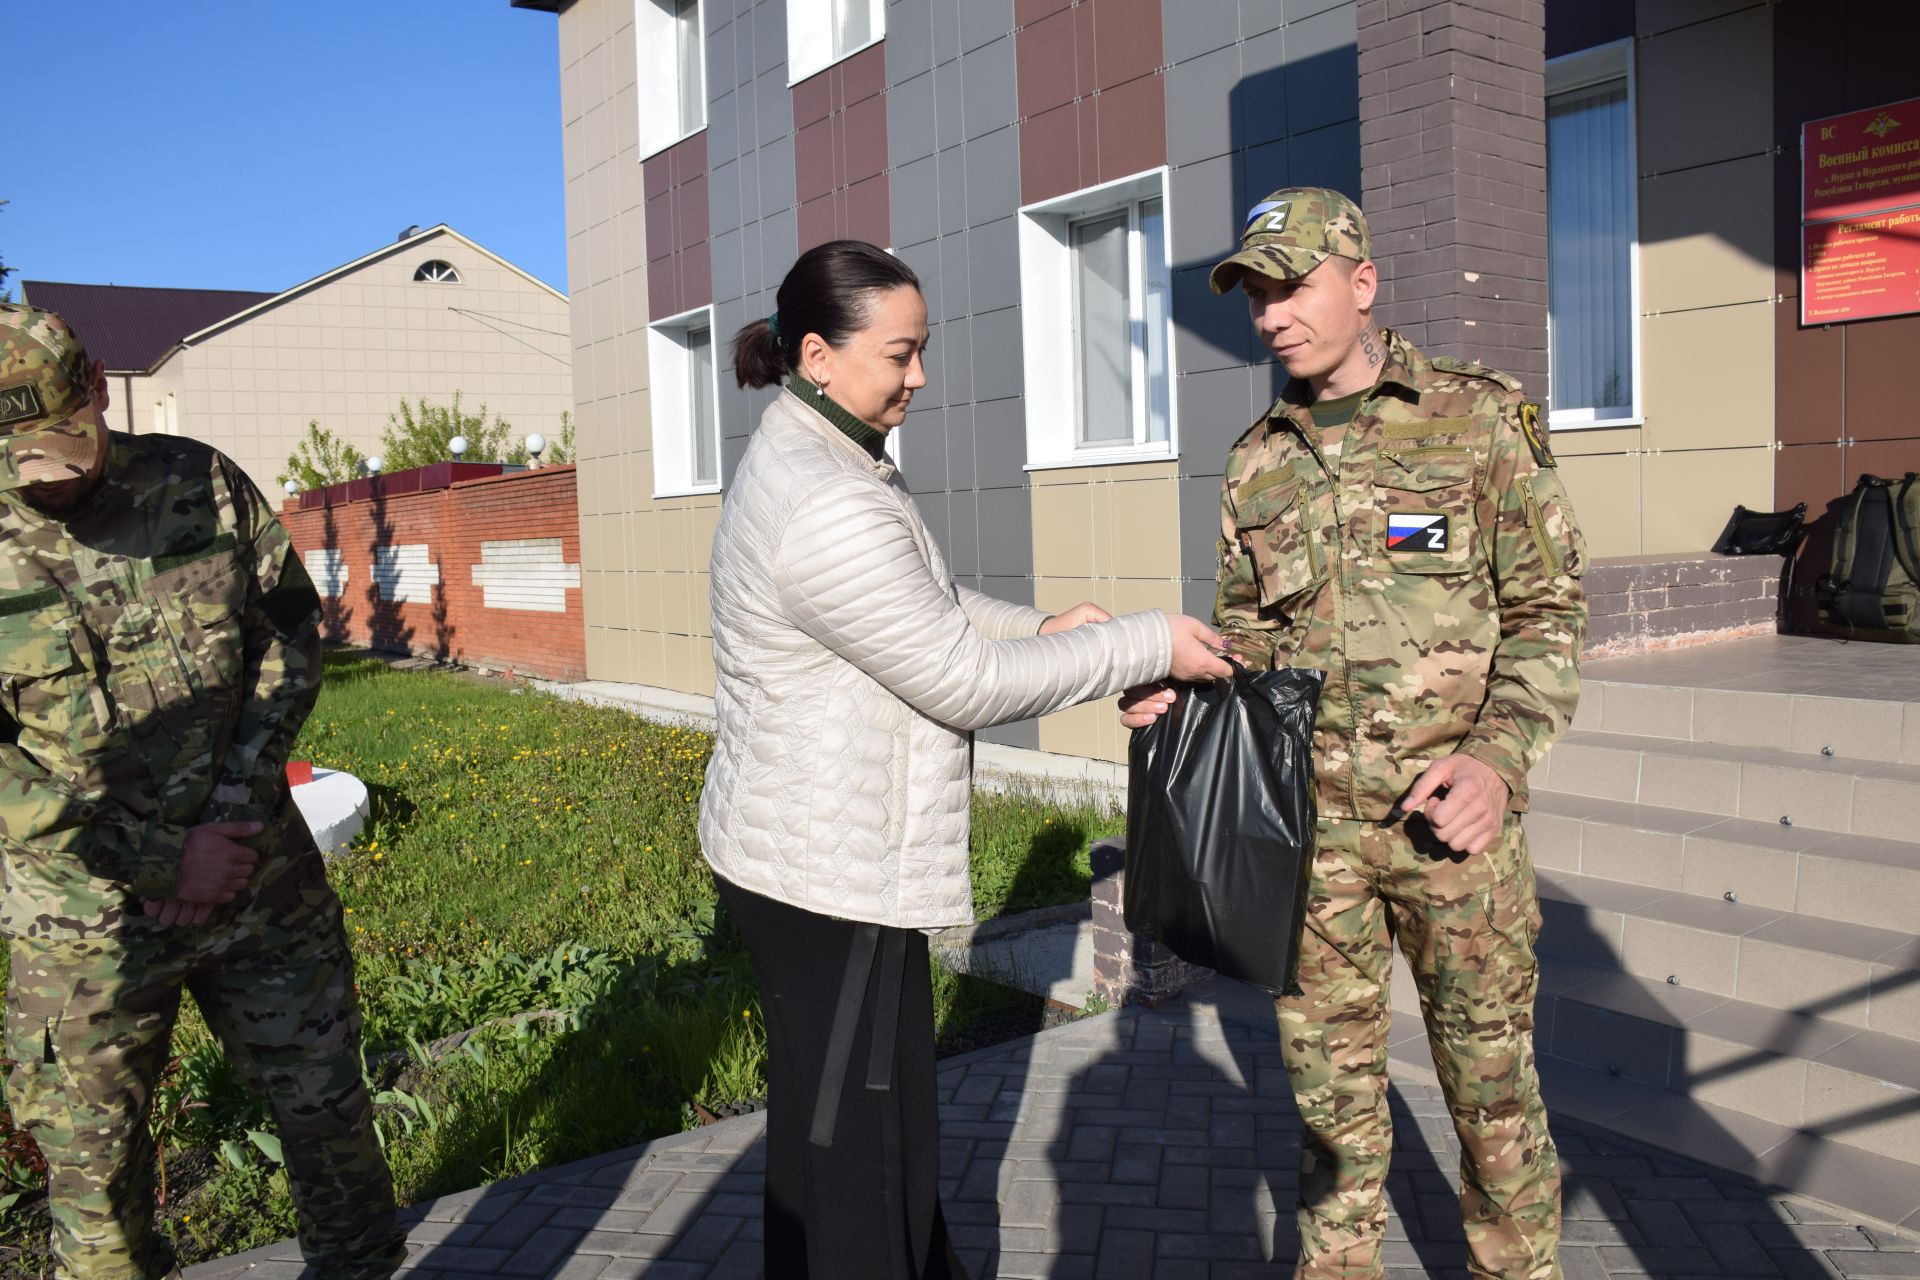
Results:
853 1123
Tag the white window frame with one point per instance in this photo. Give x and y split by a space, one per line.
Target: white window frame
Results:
810 36
658 61
1047 324
669 375
1568 74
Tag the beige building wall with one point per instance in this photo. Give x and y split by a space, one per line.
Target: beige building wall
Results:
1110 535
645 560
347 350
1703 99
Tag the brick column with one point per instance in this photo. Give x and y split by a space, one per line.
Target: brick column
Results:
1128 969
1453 156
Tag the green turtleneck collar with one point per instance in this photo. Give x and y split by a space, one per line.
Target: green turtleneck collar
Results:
873 441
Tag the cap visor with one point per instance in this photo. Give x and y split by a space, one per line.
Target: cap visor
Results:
34 457
1274 263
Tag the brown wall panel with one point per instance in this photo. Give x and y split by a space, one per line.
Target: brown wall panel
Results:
1809 473
840 152
679 262
1879 379
1092 94
1807 378
1890 459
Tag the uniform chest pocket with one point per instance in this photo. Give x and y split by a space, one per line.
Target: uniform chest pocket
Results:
1425 503
200 603
1272 523
41 681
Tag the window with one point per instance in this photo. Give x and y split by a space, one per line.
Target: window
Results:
685 398
821 32
1593 273
1097 284
436 272
671 39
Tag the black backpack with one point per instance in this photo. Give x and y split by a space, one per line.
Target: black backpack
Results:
1872 591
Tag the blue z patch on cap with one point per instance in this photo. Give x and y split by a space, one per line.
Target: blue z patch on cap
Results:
1265 207
1416 531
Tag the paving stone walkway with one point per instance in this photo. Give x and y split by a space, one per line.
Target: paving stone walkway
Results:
1140 1145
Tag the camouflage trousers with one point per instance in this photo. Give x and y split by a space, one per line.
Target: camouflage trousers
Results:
88 1029
1466 925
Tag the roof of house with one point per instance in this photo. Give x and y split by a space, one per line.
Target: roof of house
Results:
129 327
135 330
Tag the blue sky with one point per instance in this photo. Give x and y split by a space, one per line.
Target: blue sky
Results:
252 144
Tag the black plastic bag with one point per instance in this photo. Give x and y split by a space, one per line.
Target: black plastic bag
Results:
1220 817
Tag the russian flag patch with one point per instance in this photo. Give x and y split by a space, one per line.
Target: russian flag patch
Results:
1416 531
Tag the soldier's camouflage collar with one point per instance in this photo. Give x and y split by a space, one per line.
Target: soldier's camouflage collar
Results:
1401 367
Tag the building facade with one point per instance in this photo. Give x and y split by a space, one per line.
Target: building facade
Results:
1623 177
427 316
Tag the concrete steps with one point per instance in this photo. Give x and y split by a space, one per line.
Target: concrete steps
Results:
1729 876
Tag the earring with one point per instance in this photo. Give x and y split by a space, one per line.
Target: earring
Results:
819 391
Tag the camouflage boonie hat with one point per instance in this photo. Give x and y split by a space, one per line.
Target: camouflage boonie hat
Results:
45 379
1293 231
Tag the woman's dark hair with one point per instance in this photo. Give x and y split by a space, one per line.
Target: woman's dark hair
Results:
828 291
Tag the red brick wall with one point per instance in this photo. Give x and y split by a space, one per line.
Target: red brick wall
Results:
454 621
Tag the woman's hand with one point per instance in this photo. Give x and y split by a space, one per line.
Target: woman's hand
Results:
1196 650
1081 614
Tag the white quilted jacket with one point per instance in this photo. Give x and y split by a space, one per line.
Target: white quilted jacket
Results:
852 673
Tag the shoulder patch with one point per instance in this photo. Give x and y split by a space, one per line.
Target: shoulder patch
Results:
1467 368
1536 433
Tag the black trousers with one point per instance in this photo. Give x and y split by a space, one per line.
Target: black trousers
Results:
853 1123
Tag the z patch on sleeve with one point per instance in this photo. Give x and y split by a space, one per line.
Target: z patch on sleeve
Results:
1536 434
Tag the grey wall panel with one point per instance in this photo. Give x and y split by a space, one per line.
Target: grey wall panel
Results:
1215 408
1200 28
909 117
963 538
1200 533
1198 124
913 192
998 371
992 176
983 21
993 252
1000 444
1006 538
989 88
909 42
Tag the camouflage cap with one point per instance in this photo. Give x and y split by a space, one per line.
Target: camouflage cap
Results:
45 379
1293 231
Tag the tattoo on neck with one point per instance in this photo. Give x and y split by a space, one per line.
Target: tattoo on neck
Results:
1367 345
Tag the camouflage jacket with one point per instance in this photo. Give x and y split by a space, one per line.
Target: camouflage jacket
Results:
1433 573
159 650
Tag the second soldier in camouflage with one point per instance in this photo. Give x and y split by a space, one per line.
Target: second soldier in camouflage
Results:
159 649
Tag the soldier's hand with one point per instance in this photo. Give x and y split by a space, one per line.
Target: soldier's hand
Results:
175 912
1470 816
215 867
1141 705
1196 650
1081 614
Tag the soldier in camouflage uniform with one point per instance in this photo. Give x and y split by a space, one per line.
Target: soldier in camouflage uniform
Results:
1396 520
159 649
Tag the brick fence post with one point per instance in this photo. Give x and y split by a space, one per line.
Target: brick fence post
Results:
1128 969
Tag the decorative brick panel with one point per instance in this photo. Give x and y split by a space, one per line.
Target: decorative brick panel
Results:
840 152
1641 603
430 543
679 257
1093 99
1453 162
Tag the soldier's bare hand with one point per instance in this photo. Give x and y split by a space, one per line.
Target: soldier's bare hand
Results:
1141 705
1081 614
1470 816
215 867
1196 650
175 912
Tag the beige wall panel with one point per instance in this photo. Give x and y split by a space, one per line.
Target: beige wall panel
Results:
1606 498
1143 528
1707 236
1706 91
610 654
1708 377
1062 530
1688 496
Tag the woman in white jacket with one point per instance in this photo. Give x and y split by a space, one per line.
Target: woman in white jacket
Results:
851 675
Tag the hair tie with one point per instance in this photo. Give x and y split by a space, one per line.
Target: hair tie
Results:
773 325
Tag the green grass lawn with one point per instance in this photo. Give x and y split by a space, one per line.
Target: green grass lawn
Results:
531 867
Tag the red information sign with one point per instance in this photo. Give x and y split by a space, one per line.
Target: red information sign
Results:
1861 162
1860 214
1860 268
